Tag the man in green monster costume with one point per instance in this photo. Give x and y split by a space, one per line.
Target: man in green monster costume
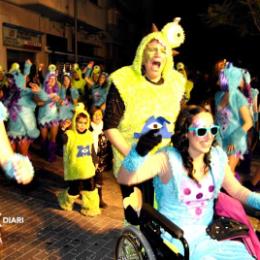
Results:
144 96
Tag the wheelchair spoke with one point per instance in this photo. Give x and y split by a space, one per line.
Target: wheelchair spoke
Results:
130 248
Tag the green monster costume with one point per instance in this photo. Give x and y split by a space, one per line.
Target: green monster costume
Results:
80 83
148 105
78 165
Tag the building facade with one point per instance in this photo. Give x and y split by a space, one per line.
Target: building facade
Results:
46 31
69 31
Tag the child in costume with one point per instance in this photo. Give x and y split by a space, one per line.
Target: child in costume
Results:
48 115
102 148
142 96
187 177
232 114
79 165
20 101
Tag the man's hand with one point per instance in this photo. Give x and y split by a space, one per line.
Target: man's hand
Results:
148 141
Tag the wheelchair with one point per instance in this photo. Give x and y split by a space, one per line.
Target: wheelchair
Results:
146 242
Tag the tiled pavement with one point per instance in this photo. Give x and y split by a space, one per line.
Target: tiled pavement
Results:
47 232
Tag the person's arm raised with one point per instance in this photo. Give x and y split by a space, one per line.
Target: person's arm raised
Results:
138 166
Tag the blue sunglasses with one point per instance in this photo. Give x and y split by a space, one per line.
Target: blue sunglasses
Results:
202 131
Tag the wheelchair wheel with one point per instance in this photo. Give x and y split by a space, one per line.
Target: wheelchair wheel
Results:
132 245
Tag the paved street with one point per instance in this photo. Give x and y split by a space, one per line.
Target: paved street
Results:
35 228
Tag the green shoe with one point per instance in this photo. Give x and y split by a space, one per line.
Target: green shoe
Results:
90 203
66 201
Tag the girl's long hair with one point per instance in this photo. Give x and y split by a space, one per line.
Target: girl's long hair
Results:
68 90
180 140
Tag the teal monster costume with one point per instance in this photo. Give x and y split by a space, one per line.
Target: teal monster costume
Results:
48 113
66 109
9 168
144 100
229 117
21 105
191 205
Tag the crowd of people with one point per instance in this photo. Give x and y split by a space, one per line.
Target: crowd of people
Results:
169 141
43 105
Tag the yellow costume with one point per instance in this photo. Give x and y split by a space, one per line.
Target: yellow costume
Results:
79 83
78 163
144 100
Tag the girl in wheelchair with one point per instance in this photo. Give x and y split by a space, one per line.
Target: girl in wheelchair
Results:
187 179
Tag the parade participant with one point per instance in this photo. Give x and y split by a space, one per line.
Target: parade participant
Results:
232 114
78 82
142 96
15 165
3 84
98 90
103 150
189 84
48 115
187 179
79 165
69 98
20 102
252 136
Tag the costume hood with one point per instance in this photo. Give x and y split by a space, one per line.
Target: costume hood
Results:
19 78
171 36
80 108
77 69
231 76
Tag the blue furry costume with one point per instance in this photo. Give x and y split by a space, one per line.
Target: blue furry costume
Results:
21 106
66 110
193 213
229 117
191 206
48 113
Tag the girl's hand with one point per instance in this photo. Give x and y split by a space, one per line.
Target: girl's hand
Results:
41 66
34 87
54 97
28 61
65 124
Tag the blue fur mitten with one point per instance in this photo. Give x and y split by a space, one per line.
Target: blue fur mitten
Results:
20 168
253 200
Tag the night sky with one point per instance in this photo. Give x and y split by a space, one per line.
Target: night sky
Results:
203 46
